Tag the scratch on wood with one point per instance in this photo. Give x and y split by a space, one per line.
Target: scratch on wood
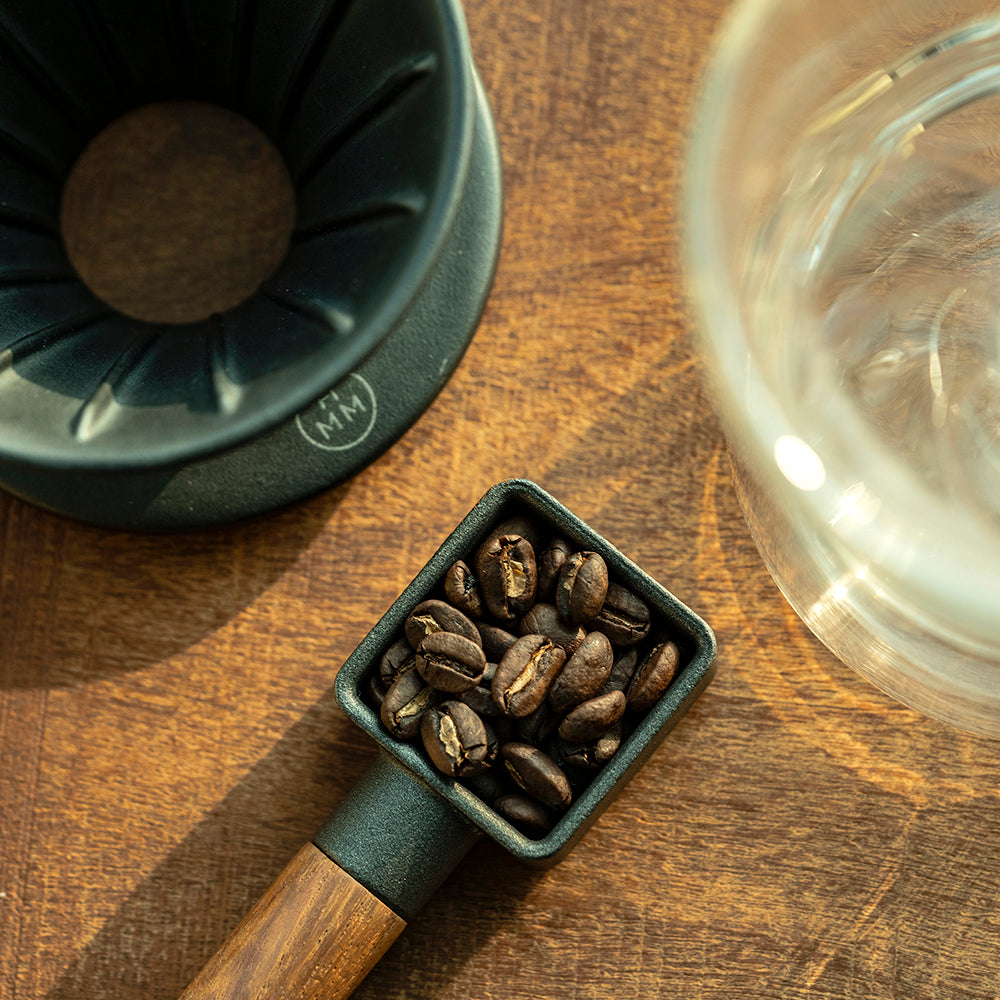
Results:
864 916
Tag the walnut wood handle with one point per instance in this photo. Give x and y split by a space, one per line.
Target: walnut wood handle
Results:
314 935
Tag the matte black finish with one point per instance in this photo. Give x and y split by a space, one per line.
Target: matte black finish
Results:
397 836
375 106
333 438
695 638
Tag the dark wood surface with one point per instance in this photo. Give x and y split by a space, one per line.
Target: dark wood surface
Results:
168 733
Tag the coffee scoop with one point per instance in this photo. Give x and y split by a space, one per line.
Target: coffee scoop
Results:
345 897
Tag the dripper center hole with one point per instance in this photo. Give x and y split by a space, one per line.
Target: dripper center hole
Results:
176 211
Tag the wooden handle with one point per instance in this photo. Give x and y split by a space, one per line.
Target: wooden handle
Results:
314 935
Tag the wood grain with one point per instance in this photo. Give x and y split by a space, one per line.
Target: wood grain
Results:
314 935
168 734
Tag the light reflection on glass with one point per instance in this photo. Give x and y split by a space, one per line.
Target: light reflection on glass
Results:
798 463
857 506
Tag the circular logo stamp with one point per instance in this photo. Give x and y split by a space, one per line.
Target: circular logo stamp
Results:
342 418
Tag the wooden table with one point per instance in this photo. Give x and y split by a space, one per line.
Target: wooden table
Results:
168 734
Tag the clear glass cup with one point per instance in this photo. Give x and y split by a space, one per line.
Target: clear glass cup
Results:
842 236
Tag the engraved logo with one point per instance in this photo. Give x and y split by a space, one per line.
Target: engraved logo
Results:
343 417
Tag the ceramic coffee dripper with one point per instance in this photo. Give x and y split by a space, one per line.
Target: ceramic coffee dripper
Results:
377 111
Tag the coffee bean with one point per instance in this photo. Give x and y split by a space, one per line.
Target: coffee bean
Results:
405 702
653 677
376 690
507 576
550 562
582 586
622 670
462 590
624 618
583 674
438 616
397 659
544 619
538 726
526 813
455 739
537 774
592 719
480 700
527 527
594 753
450 662
525 674
496 641
487 785
505 727
493 744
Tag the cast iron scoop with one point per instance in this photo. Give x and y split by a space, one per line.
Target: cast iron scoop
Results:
346 896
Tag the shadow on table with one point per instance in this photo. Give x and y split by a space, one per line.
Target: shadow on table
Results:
172 923
90 603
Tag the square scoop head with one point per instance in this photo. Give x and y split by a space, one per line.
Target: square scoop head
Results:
670 618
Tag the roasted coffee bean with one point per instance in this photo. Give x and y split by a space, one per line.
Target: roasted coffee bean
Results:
493 744
527 527
438 616
537 727
525 674
505 727
450 662
507 576
405 702
582 586
487 786
496 641
550 562
593 718
653 677
526 813
480 700
397 659
462 590
624 618
593 754
376 690
583 674
455 739
622 670
544 619
537 774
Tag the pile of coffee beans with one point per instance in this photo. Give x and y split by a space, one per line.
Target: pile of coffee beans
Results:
526 672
